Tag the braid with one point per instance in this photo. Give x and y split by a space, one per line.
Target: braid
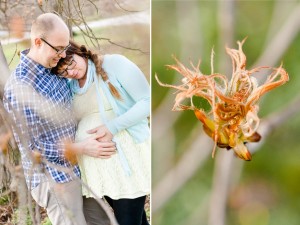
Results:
98 63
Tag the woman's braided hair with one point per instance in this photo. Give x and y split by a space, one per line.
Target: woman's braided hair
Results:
82 51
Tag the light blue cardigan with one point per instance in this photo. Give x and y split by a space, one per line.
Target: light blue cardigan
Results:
134 107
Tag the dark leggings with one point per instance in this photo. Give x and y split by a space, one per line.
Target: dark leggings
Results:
129 211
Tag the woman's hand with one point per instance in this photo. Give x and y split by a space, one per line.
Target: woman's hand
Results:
103 132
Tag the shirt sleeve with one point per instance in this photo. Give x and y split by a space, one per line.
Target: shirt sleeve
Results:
133 81
22 105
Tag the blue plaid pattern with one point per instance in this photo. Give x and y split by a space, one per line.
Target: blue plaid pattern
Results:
39 103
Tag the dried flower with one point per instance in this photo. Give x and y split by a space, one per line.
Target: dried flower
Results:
4 139
37 157
40 2
69 153
232 120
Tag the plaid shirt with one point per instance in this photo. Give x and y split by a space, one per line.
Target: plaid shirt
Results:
39 103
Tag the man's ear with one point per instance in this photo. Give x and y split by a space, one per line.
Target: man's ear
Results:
37 42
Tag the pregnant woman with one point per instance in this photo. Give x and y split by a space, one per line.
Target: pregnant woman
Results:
112 93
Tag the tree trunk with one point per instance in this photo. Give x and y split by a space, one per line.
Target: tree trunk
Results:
5 73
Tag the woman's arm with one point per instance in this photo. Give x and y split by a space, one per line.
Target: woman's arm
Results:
133 81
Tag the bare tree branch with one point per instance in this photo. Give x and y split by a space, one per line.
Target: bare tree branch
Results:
127 10
282 40
162 119
188 42
221 183
222 170
280 11
4 70
226 14
189 163
276 119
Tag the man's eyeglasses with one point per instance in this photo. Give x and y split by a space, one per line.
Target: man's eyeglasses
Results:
58 51
69 65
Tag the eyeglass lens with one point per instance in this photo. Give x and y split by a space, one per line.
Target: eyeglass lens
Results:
69 66
58 51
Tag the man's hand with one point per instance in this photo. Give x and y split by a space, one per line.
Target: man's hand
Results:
102 130
92 147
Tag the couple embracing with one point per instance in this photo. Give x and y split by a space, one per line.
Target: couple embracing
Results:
61 91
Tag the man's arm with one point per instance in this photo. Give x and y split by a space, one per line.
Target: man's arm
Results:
92 147
21 102
23 108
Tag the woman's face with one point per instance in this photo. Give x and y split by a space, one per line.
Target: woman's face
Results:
76 68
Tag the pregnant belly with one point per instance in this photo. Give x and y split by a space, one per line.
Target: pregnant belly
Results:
86 123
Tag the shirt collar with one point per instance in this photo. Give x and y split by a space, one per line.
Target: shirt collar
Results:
33 64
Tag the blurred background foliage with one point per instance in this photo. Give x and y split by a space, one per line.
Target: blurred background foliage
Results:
265 191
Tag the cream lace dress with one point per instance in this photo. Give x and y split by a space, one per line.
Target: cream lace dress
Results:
106 176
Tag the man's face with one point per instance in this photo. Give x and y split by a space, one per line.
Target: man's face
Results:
53 48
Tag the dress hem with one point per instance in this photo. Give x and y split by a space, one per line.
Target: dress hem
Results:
116 197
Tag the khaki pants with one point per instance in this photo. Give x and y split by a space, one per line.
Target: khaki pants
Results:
94 213
63 202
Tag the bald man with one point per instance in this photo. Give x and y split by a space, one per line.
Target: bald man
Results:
39 103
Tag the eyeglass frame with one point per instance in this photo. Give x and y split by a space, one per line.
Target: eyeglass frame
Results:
58 52
67 68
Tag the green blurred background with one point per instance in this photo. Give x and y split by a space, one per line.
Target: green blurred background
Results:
265 191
